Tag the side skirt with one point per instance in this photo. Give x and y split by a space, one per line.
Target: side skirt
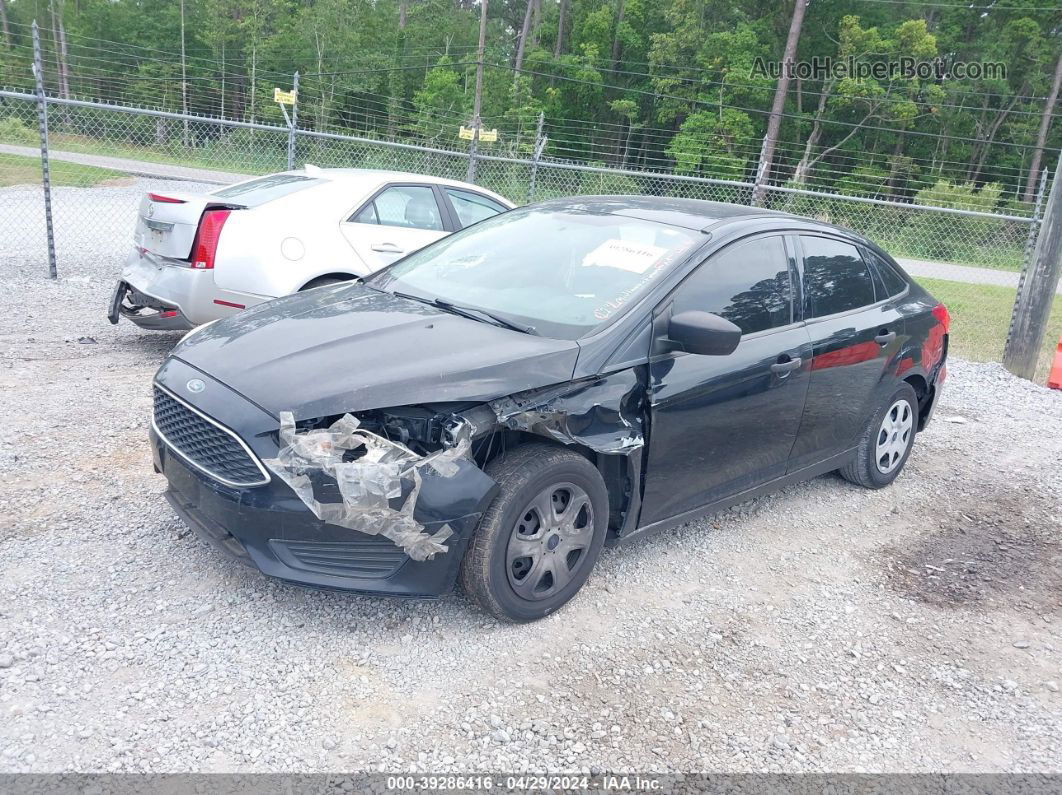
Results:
807 473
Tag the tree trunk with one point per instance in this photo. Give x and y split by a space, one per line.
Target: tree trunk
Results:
616 36
401 14
993 128
781 89
807 161
3 24
59 37
559 46
522 42
254 70
536 19
897 150
1041 136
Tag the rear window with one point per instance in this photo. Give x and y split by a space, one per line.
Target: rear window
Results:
265 189
835 277
893 282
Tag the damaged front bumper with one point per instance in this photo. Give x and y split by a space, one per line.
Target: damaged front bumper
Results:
274 529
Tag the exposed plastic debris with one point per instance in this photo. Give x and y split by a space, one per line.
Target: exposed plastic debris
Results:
371 474
603 413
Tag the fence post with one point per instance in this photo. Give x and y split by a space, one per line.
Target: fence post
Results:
293 122
42 123
536 155
1036 292
759 182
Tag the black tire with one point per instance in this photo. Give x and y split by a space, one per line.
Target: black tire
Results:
524 473
863 469
322 281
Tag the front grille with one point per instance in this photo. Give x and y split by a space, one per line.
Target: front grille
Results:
205 445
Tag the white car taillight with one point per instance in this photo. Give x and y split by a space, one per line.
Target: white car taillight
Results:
206 238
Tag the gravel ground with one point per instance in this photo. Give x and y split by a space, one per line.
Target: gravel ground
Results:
824 628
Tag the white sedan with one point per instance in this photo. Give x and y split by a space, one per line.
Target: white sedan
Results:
198 257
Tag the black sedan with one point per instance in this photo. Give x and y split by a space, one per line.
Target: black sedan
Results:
497 406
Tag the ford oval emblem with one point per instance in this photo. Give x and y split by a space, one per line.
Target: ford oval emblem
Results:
195 386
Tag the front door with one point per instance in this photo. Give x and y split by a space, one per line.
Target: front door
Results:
720 425
854 334
397 221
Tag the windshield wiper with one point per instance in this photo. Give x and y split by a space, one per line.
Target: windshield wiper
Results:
471 312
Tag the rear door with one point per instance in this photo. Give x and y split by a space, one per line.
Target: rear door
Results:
396 221
856 332
722 424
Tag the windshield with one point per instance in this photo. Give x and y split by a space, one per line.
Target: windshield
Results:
562 272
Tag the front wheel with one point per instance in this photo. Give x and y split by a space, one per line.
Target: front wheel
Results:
537 542
886 442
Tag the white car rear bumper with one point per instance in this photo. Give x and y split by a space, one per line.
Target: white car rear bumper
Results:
190 293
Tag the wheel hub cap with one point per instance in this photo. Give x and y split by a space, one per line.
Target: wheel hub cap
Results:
894 436
548 545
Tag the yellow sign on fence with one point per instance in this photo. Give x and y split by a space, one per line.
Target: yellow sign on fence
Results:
488 136
283 97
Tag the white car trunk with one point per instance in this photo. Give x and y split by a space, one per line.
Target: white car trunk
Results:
167 222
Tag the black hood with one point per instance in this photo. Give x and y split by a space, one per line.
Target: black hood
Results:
350 348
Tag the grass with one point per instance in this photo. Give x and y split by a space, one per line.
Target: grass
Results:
269 161
16 170
980 317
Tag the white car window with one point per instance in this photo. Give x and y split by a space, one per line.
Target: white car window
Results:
472 207
411 206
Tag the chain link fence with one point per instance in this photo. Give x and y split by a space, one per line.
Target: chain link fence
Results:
102 156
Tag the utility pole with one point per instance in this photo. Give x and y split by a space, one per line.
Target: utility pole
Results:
1037 291
476 121
763 170
184 81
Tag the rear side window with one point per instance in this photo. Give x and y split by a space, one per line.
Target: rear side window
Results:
412 206
747 283
836 279
892 281
259 191
472 207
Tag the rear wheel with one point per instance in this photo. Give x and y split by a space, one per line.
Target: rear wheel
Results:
886 442
540 537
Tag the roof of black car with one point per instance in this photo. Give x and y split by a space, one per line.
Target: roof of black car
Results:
688 213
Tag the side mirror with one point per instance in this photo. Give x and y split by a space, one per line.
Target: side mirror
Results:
703 333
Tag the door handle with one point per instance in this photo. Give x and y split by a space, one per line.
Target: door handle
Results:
885 337
386 248
784 368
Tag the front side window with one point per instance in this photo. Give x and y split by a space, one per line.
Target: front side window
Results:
411 206
472 207
836 279
747 283
562 271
